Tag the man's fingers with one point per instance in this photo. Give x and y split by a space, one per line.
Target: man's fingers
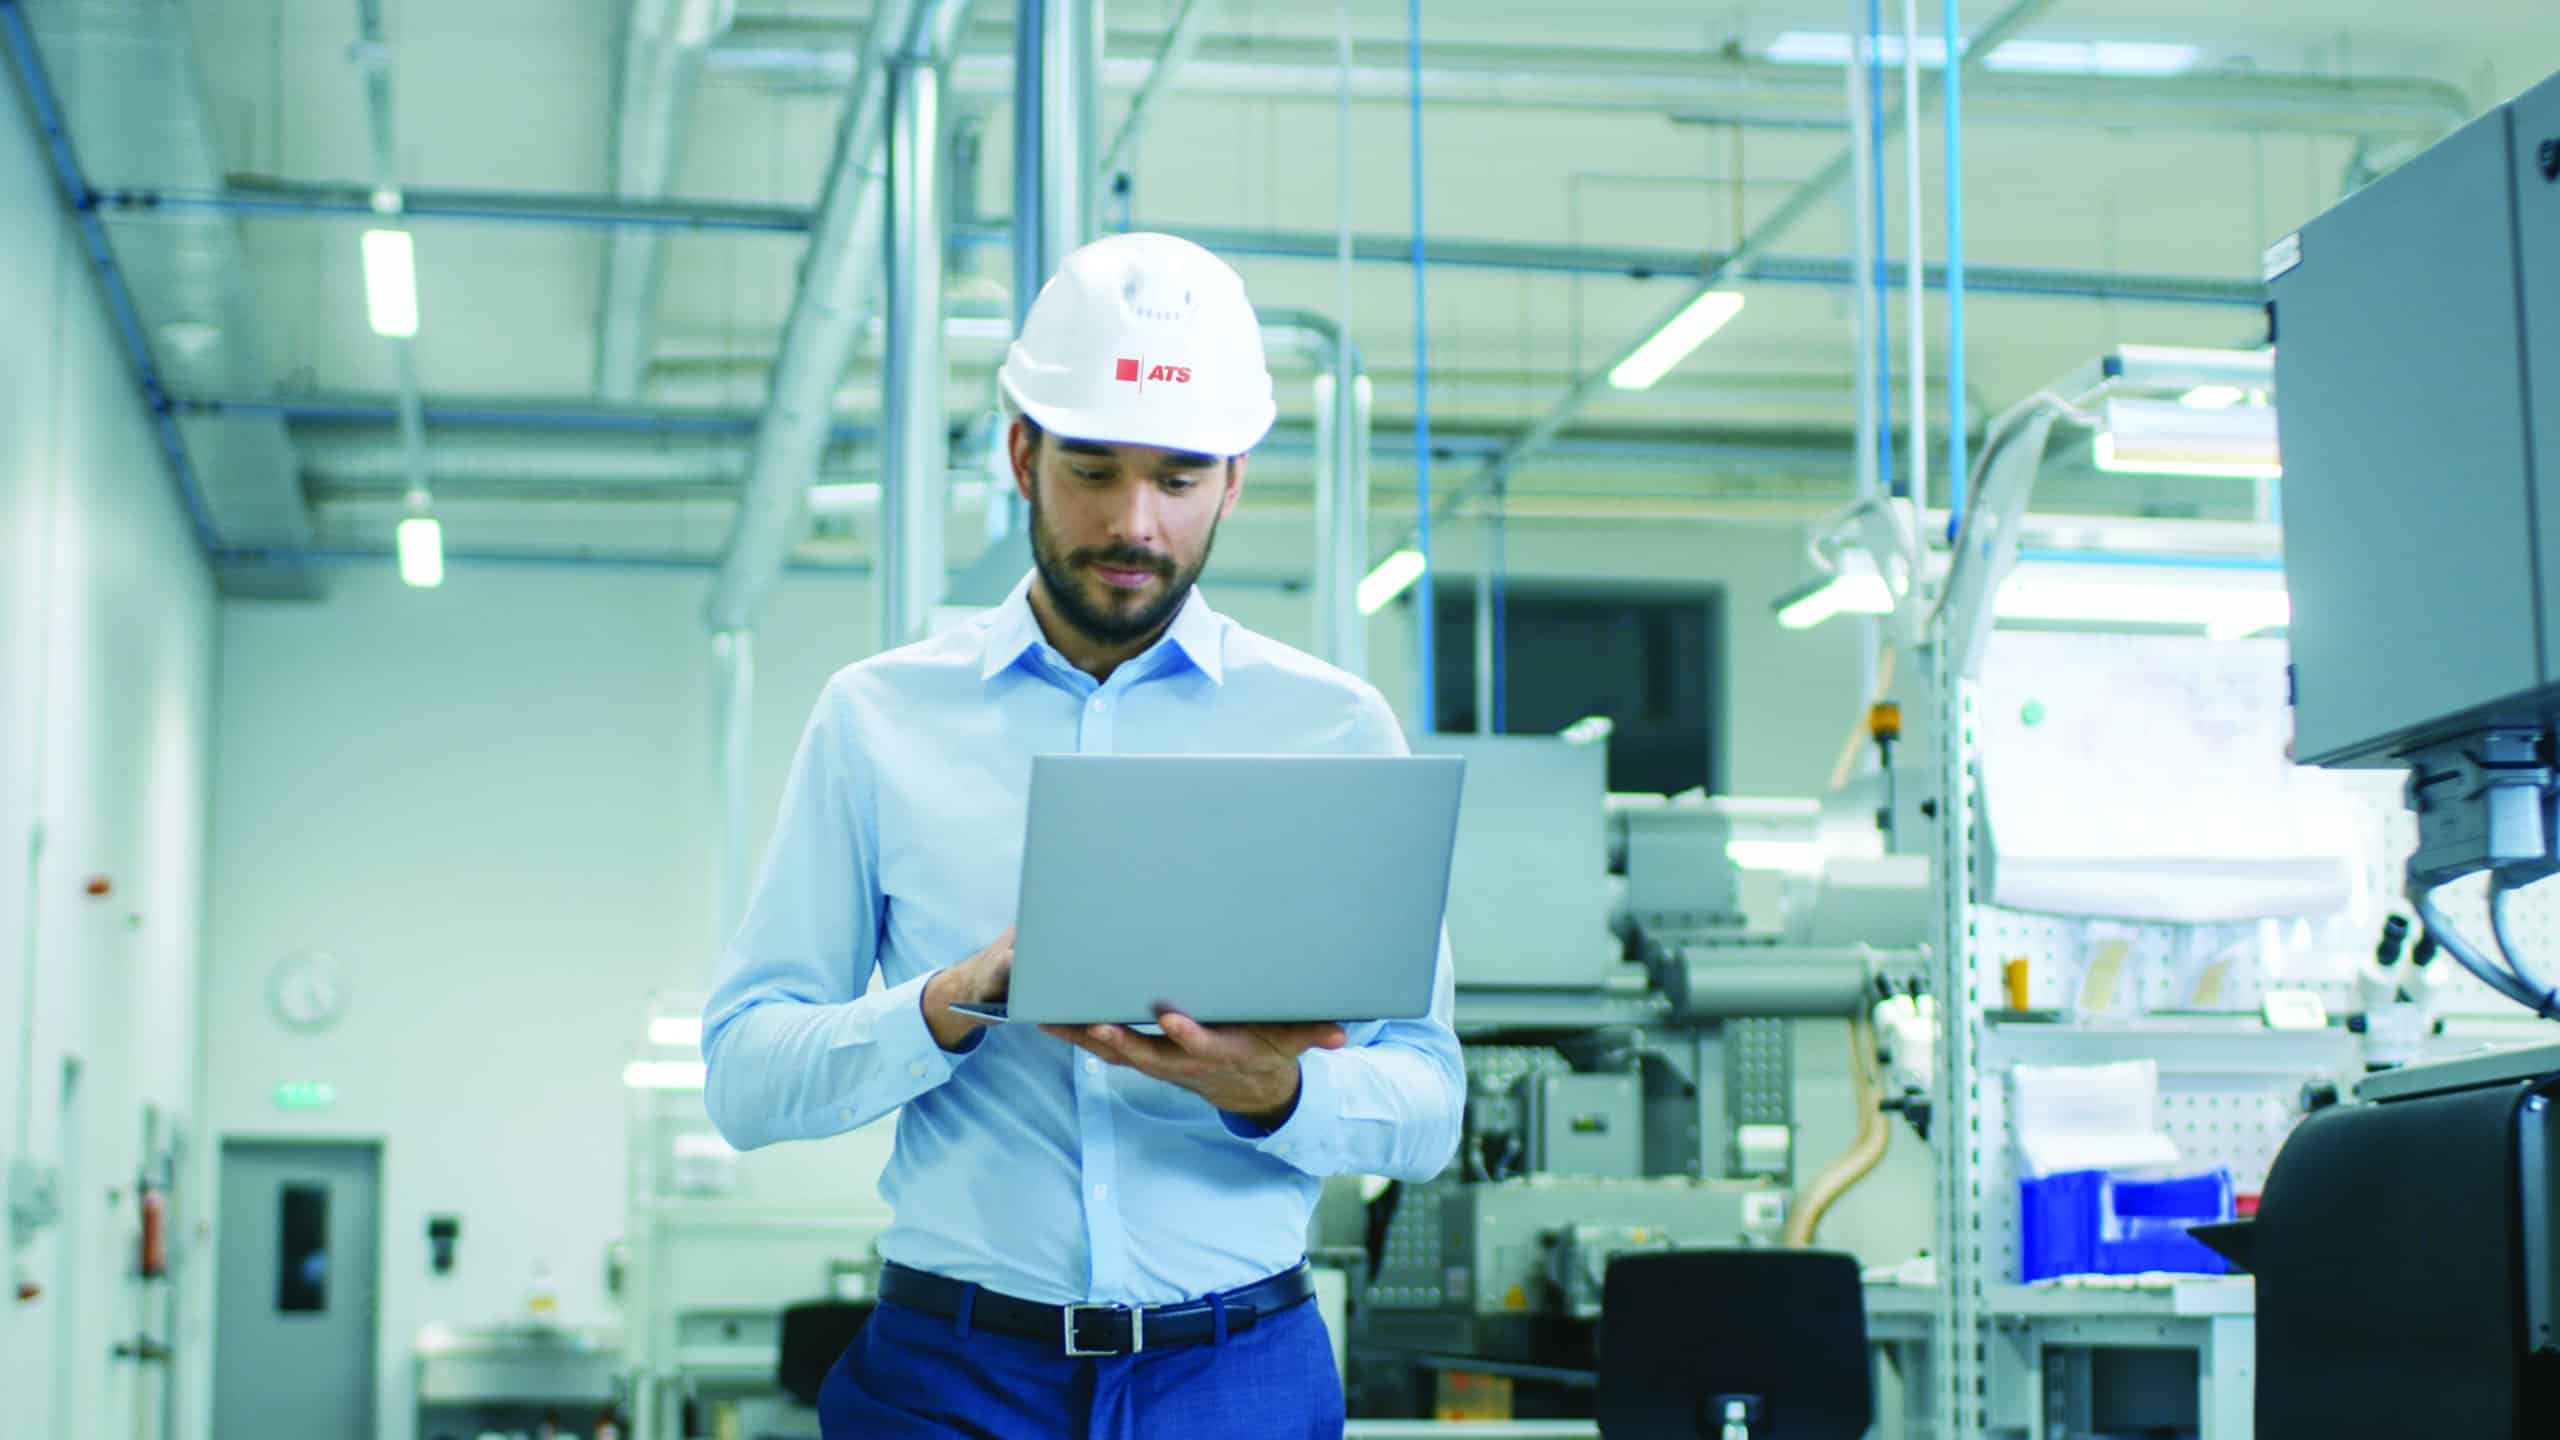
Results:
1193 1037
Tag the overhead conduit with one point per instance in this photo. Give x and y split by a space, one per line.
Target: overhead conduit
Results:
826 322
662 52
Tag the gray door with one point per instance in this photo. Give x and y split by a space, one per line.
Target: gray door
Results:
294 1295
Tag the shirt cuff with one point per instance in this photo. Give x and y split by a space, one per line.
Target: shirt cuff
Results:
1306 1138
907 1042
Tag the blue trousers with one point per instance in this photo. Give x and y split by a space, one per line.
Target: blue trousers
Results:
910 1376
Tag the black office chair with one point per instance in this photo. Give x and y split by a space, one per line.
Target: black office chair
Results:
813 1336
1734 1345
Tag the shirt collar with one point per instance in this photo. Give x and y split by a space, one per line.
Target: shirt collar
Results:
1197 631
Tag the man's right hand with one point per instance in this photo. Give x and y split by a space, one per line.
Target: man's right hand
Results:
981 978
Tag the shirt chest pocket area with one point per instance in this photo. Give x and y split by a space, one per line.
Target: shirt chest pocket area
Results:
950 855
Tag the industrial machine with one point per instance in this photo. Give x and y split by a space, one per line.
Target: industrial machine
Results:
1628 968
2418 329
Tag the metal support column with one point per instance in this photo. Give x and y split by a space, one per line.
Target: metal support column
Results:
1954 978
733 689
1056 114
914 427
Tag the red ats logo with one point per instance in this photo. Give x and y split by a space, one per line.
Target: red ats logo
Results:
1139 372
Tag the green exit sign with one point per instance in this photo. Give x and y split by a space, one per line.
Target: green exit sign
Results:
305 1095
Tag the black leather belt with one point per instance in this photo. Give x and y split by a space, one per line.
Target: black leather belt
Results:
1083 1330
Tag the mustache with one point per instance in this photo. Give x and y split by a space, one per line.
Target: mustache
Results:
1124 558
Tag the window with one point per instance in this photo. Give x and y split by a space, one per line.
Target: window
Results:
1647 658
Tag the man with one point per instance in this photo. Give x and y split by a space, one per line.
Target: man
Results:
1042 1173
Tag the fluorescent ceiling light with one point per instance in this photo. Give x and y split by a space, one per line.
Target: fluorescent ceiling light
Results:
1393 575
2213 397
2094 57
422 552
663 1074
1832 47
391 283
2171 437
1670 345
676 1030
2084 57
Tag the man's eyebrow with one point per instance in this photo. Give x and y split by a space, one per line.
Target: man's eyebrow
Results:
1087 447
1186 460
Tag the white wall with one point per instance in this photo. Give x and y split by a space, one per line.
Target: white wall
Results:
106 674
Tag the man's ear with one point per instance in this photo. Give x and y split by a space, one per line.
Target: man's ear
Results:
1023 448
1235 487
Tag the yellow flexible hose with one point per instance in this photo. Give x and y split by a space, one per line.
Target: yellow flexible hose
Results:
1864 1153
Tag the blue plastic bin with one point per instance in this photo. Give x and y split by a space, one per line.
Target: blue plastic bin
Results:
2089 1222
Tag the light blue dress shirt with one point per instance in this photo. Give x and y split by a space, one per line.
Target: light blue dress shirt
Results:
1021 1163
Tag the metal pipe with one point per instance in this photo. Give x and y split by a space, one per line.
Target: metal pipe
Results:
733 691
1882 271
265 197
1425 611
1802 202
1915 250
1056 101
1181 42
1953 120
818 339
914 422
662 51
1484 633
1718 89
1862 314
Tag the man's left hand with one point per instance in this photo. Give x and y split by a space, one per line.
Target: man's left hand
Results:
1249 1071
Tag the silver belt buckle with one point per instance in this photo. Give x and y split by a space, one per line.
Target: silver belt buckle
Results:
1137 1329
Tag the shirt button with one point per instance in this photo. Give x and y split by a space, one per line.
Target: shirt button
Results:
1101 1191
918 1069
1099 705
844 1117
1092 1066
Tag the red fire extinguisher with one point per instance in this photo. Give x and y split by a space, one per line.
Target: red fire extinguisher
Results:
155 1232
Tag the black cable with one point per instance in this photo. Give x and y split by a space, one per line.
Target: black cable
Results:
2508 949
2505 982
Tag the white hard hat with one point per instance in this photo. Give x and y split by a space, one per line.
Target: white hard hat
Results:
1144 340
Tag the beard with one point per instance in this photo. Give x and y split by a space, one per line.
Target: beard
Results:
1100 613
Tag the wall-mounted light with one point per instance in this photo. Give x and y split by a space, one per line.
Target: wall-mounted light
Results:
1393 577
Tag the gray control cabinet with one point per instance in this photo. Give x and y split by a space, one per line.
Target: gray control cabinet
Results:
2418 391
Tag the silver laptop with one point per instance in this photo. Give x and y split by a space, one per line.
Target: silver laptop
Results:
1231 888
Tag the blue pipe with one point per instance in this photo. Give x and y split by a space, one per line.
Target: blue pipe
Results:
93 234
1771 270
228 201
1884 267
1500 560
1426 698
1954 71
557 560
327 411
